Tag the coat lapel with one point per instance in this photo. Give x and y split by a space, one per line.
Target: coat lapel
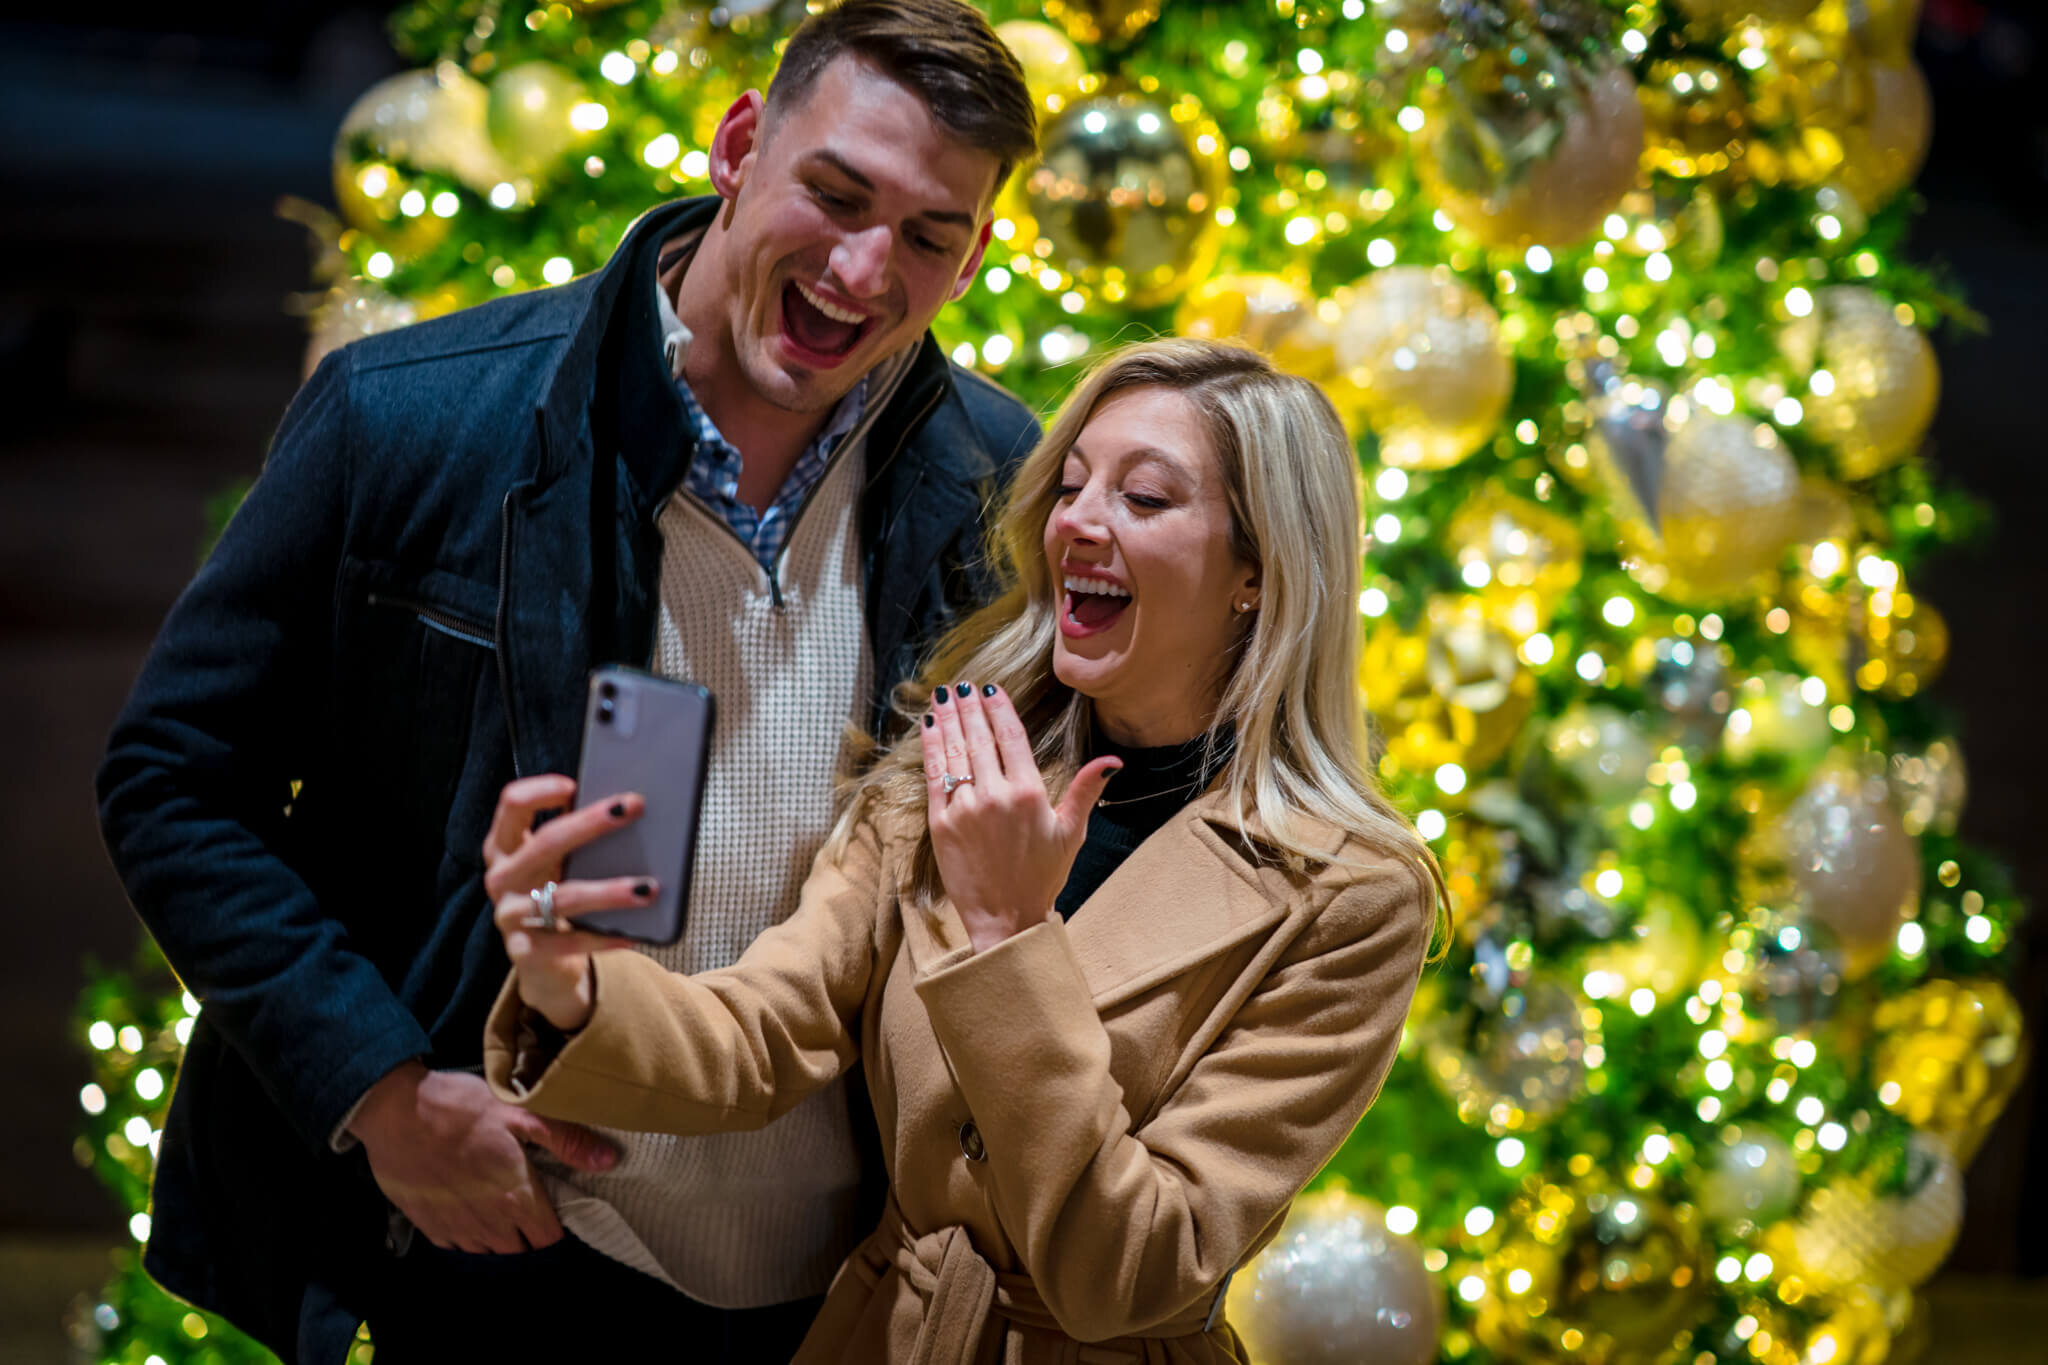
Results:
1184 896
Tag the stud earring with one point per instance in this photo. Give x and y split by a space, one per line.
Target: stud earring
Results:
1242 606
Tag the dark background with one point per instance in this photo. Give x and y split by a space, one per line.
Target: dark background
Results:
147 350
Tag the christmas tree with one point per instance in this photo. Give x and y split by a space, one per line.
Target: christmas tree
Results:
1614 298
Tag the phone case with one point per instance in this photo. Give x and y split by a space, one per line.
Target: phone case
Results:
651 735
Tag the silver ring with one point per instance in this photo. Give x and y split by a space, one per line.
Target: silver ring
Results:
543 907
948 781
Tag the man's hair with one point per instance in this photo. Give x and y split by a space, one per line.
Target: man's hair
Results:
942 50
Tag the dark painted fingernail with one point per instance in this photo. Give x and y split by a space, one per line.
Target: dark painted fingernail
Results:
930 720
643 889
940 696
618 810
965 688
988 689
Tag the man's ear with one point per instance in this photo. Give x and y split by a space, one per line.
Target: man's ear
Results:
733 146
973 264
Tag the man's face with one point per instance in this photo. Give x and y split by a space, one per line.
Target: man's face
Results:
857 217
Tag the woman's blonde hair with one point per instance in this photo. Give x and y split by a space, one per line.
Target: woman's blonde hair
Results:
1290 691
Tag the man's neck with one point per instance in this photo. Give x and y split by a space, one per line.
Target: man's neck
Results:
769 439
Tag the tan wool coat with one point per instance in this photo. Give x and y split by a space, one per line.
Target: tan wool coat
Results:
1086 1127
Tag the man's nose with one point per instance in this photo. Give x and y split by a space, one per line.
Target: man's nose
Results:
861 261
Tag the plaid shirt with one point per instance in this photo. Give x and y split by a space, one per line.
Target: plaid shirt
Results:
714 475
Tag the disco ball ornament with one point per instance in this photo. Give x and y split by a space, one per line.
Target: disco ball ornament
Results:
1425 356
1795 971
1515 1064
1335 1287
1126 190
1532 557
1856 868
1600 1276
432 119
1053 66
1516 162
1688 683
1752 1179
1881 383
1852 1235
534 117
1930 787
1601 749
1949 1054
1102 21
1775 716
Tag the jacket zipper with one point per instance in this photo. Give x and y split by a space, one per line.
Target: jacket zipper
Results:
440 618
504 596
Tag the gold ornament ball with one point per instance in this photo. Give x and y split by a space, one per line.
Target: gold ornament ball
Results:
1661 951
1334 1287
1882 381
432 119
1852 1236
1532 558
532 114
1126 189
1603 1276
1930 787
1949 1055
1753 1178
1729 506
1274 316
1556 198
1053 66
1695 117
1102 21
1452 692
1425 356
1726 13
1882 154
1773 717
1849 854
1603 750
1904 649
373 197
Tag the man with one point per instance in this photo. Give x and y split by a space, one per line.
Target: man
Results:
733 454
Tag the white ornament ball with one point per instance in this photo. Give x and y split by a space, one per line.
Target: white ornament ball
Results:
1335 1287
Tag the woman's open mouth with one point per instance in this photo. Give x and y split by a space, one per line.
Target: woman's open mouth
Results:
1093 605
820 332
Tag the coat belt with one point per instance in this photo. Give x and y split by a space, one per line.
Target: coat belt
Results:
961 1291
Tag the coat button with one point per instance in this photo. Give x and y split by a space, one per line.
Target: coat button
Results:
970 1142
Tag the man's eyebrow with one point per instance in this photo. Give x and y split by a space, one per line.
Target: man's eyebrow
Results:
847 169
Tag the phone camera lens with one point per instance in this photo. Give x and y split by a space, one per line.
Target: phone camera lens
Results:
607 690
604 712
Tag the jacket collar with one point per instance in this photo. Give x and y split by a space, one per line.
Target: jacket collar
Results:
1196 888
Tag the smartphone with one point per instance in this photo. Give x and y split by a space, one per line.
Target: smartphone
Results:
652 735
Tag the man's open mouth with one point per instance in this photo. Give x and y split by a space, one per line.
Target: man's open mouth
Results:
817 326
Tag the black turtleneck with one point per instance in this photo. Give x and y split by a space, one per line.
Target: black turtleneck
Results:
1152 786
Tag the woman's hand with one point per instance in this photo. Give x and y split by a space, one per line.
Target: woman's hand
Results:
1004 850
553 962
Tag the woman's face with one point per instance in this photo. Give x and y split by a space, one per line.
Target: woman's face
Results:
1139 544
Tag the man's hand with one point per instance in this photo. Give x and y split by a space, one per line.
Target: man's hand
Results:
448 1153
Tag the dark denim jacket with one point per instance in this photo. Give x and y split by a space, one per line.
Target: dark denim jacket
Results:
456 521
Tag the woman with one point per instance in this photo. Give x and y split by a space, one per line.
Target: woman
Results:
1106 1043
